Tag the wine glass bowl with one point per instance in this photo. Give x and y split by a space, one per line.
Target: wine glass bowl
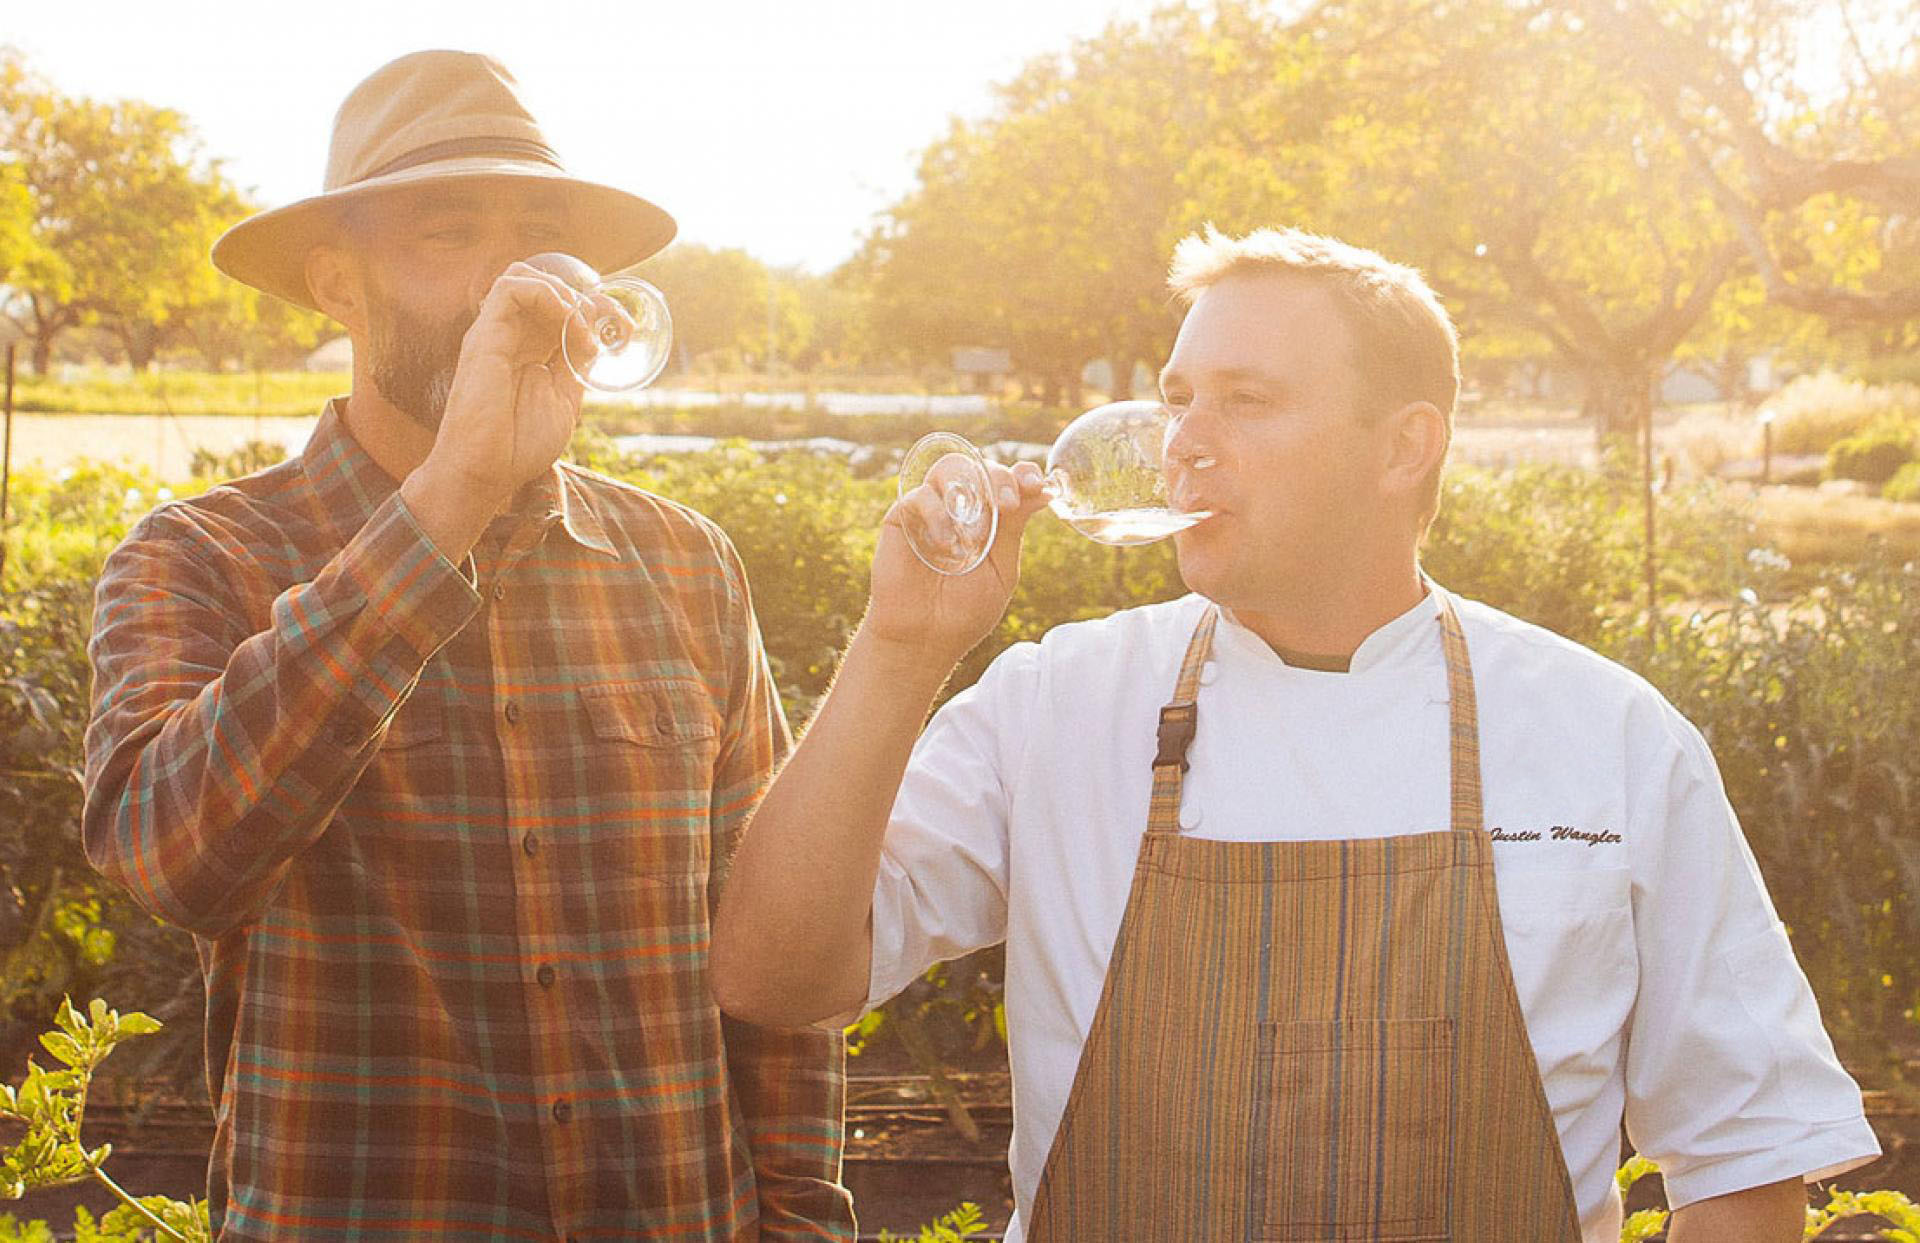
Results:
620 333
1104 477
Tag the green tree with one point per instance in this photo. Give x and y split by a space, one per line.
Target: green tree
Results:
16 222
1817 174
121 212
1485 144
718 298
1044 227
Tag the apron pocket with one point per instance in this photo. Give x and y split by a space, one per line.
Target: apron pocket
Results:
1352 1124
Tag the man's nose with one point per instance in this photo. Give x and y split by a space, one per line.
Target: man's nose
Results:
503 249
1191 434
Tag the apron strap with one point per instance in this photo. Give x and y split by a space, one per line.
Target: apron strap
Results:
1463 722
1179 720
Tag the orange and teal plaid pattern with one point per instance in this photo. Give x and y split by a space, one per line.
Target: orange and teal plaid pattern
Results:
449 839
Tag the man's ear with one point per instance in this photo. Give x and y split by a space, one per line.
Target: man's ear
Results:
1417 439
338 286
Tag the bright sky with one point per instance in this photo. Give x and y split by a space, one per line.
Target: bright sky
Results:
779 126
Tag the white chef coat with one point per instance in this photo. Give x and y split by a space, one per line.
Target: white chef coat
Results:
1654 974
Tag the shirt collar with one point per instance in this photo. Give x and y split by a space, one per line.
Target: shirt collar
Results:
349 486
1401 636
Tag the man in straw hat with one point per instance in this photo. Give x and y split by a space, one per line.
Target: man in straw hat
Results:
1335 906
436 743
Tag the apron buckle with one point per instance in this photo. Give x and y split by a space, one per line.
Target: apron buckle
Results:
1178 721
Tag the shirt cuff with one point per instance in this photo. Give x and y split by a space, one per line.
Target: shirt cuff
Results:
407 582
1831 1149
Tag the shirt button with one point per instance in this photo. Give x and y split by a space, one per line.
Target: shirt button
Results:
545 975
562 1112
530 844
512 712
1190 813
1209 670
499 591
663 723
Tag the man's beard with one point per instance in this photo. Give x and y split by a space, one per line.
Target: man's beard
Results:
414 359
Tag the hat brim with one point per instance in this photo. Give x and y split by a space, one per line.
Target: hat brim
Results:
609 229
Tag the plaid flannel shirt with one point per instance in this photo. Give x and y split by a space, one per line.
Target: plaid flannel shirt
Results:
448 838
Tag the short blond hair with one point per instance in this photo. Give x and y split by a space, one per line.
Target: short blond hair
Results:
1408 348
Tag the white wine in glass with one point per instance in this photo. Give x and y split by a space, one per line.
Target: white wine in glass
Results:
1104 478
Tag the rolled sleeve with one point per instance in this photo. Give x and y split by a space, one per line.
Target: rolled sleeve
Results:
1732 1081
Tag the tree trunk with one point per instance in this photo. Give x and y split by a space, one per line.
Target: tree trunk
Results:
1616 392
1122 362
1050 390
1730 377
43 351
141 341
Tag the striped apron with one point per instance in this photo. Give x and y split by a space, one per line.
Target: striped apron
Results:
1309 1041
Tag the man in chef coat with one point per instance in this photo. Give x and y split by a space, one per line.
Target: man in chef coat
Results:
1336 906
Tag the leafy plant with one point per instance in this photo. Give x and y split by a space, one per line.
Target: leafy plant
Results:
1647 1222
1890 1206
53 1103
964 1222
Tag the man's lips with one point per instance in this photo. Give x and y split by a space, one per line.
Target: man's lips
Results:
1189 500
1186 490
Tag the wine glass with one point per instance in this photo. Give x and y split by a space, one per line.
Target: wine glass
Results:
620 333
1104 478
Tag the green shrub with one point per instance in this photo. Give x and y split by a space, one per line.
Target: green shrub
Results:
1806 706
1798 697
1565 548
1813 412
1875 455
249 456
1905 484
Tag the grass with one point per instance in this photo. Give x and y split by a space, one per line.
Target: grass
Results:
102 391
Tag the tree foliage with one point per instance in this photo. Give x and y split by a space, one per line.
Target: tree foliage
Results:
1615 184
1801 118
1044 227
107 212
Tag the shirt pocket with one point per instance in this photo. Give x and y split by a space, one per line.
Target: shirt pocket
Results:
1553 896
659 713
1352 1120
655 744
420 720
1576 971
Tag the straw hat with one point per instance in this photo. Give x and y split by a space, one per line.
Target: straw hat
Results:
434 116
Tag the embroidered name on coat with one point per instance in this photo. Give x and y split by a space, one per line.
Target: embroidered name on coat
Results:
1558 833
